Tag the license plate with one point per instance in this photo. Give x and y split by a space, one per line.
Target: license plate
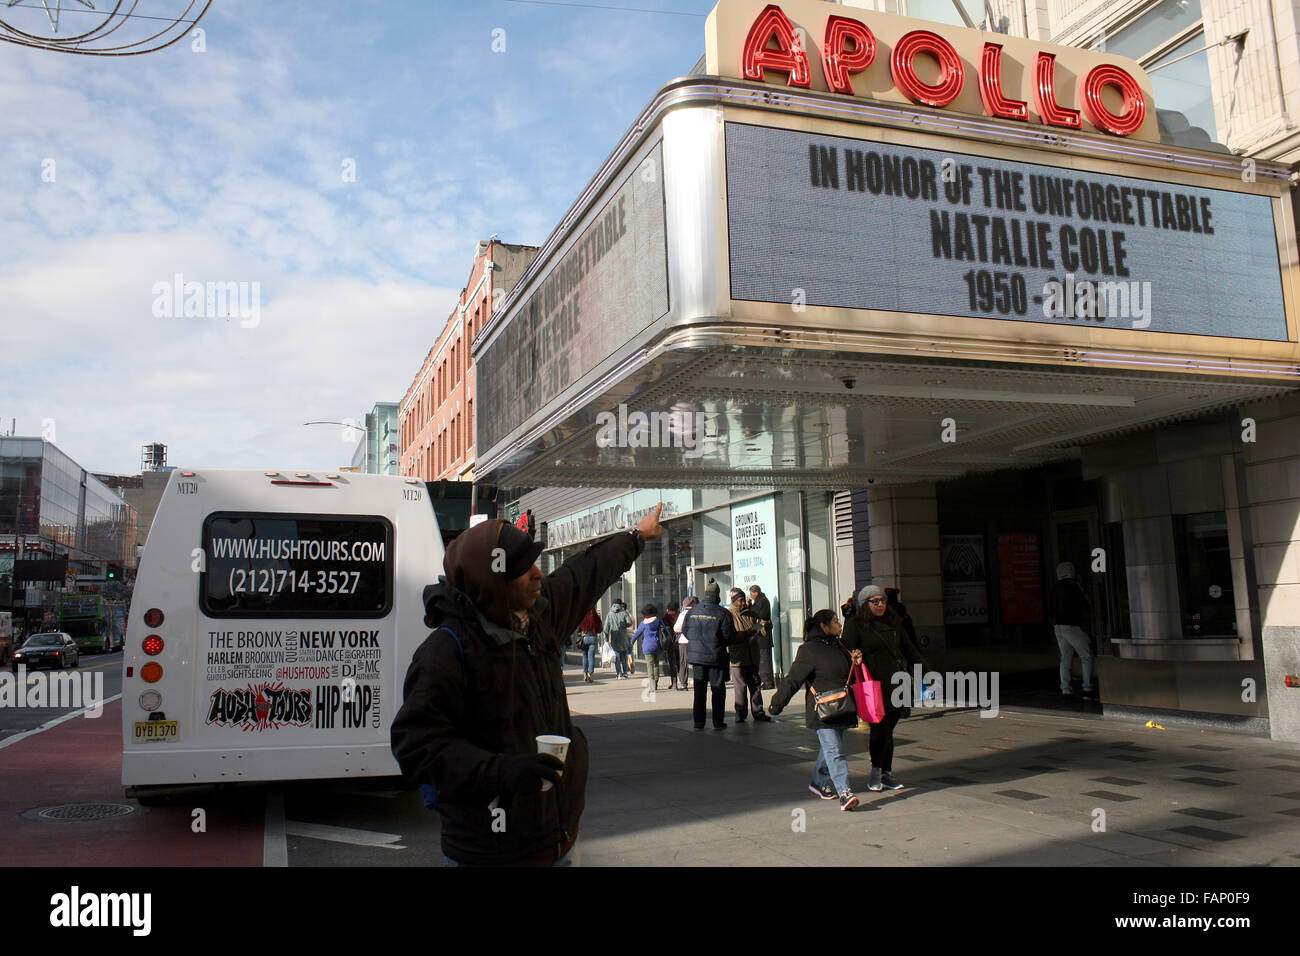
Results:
147 731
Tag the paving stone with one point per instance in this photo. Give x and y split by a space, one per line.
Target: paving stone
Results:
1209 814
1282 766
1219 836
1293 812
1207 768
1043 768
1207 781
1119 781
1021 794
1129 758
1207 747
1291 795
954 781
1110 795
914 758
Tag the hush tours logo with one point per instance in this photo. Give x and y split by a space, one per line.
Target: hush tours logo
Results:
76 910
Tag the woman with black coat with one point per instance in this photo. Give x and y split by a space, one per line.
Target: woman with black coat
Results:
823 663
886 649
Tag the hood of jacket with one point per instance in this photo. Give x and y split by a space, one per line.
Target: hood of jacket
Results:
468 565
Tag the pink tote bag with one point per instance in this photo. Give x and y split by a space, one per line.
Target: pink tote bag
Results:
868 696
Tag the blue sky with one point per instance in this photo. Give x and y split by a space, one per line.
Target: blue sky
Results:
227 165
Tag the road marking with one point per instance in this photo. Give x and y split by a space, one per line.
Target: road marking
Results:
320 831
55 722
275 848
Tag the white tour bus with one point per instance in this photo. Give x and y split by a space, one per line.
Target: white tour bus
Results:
273 620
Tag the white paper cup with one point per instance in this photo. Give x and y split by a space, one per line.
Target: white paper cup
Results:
556 746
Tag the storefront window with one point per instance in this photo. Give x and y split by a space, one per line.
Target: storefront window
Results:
1205 575
1185 85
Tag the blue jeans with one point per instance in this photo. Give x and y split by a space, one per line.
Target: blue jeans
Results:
831 758
621 661
589 659
1073 640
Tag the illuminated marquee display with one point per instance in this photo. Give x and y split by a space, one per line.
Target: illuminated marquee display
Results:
905 229
801 44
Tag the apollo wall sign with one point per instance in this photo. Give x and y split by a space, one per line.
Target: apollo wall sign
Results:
802 43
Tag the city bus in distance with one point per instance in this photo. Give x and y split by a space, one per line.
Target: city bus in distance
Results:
274 617
85 618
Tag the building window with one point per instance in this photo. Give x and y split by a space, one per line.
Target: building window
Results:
1159 39
1205 575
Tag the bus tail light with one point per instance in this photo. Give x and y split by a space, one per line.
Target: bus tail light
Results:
151 673
153 617
153 645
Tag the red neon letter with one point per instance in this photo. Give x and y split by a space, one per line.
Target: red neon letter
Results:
995 103
839 62
1135 106
788 57
905 78
1045 96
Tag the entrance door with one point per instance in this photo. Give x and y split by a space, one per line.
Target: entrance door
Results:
1075 536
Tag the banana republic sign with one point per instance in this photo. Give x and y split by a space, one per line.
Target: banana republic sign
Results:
811 45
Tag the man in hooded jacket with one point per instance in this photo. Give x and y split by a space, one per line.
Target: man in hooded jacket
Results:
488 681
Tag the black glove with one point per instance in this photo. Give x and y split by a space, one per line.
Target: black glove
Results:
524 774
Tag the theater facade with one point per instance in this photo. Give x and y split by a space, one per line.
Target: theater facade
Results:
936 308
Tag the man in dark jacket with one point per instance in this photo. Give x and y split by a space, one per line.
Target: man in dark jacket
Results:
487 682
761 609
709 631
743 653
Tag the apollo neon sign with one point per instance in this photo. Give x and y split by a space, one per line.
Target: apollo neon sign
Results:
849 48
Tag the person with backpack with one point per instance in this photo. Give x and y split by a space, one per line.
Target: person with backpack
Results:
487 682
823 664
650 638
589 635
617 633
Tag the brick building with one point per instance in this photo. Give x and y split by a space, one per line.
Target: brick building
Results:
436 415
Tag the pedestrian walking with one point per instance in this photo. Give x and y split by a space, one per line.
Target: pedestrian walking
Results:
708 631
886 649
589 635
823 664
743 653
761 609
649 638
487 682
618 632
683 643
668 646
1072 617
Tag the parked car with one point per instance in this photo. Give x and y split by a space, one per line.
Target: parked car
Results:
49 649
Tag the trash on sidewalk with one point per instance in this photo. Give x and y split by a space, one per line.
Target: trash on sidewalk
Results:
1153 725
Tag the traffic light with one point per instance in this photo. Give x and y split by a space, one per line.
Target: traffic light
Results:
114 572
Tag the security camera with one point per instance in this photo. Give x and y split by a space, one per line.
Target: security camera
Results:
849 382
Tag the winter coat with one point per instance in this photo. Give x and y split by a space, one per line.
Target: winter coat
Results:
823 663
743 650
465 710
709 631
1070 604
886 648
616 629
649 636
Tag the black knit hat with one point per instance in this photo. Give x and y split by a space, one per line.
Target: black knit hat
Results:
521 550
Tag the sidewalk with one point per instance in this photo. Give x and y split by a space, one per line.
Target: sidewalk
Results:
1016 789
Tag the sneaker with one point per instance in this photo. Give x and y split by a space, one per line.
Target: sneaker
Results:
875 782
763 718
889 783
1089 695
826 793
847 800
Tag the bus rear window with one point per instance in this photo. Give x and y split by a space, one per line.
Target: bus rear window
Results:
278 565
